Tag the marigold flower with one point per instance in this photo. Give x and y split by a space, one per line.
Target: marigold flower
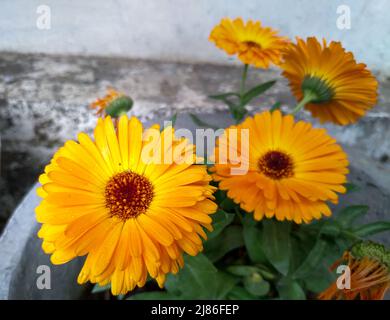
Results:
114 104
336 88
293 169
253 44
132 216
369 265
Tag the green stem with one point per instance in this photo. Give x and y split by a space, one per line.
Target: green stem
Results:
239 111
238 213
350 235
243 80
307 97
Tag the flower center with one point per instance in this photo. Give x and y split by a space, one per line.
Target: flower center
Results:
252 44
318 87
276 165
128 194
372 250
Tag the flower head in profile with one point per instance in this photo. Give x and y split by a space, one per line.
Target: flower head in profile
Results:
131 200
335 87
369 265
114 104
253 44
293 168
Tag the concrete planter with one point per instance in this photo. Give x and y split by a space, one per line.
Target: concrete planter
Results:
21 253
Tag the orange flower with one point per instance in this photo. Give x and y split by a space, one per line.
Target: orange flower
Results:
254 44
334 87
369 265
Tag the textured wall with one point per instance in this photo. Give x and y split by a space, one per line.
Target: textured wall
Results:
178 29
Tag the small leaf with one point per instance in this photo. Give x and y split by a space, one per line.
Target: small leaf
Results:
348 215
319 280
200 279
232 106
221 220
253 242
242 271
290 290
228 240
266 273
313 259
200 122
351 187
331 228
256 91
97 288
239 293
256 285
372 228
173 119
276 106
224 96
276 244
228 205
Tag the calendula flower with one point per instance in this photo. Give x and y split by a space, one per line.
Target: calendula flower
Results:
328 81
114 104
293 169
252 43
121 201
369 265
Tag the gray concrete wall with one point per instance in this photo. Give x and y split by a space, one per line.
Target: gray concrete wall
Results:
178 29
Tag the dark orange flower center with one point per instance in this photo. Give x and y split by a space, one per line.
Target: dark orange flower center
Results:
128 194
276 165
252 44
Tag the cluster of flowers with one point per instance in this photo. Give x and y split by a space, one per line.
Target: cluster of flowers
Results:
134 219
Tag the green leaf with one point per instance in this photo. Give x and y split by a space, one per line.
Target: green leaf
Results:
276 106
230 239
199 279
173 119
97 288
220 195
290 289
153 295
351 187
242 271
277 244
256 91
253 242
232 106
319 280
224 96
266 273
312 260
348 215
221 220
372 228
331 228
239 293
200 122
256 285
228 205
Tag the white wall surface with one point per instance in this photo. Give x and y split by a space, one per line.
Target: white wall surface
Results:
177 30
